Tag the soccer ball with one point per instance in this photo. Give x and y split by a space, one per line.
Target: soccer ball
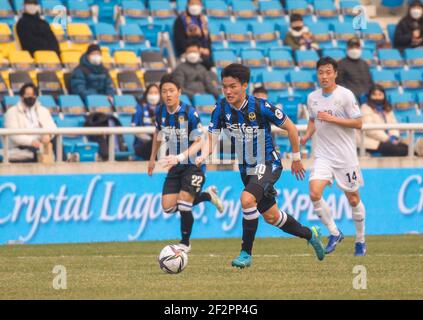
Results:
172 259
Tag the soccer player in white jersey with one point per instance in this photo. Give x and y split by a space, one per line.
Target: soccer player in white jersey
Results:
334 116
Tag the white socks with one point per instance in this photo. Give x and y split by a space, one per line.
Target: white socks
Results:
358 215
322 210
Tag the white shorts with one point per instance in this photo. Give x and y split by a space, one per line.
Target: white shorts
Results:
347 179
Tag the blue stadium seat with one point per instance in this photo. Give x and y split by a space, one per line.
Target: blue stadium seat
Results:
181 5
282 27
322 34
237 35
253 58
403 104
326 11
368 56
151 32
412 80
162 12
276 83
303 82
204 103
106 35
49 102
80 11
385 78
390 59
216 35
391 31
281 59
291 105
301 7
373 32
217 11
134 11
335 53
98 103
18 5
72 104
271 10
392 3
306 59
185 99
347 9
343 32
125 104
225 57
86 151
107 10
133 38
414 57
244 10
10 101
48 7
420 99
264 35
6 13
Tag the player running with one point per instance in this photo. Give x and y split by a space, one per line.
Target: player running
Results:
247 120
179 126
334 116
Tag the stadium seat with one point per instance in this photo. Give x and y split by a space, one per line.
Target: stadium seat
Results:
276 83
86 151
162 13
133 37
217 10
290 105
47 60
223 58
126 60
385 78
98 103
153 60
412 79
106 35
264 35
281 59
49 83
282 27
6 37
404 105
420 99
21 60
244 10
390 59
59 32
415 118
4 90
301 7
368 56
151 32
80 33
79 11
216 35
72 105
7 15
129 83
10 101
414 57
306 59
4 63
347 9
392 3
253 58
373 32
321 34
125 104
343 32
185 99
153 76
237 35
391 31
70 59
107 60
303 81
271 9
134 12
204 103
17 79
326 11
50 9
48 102
334 53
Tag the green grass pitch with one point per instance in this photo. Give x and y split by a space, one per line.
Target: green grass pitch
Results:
282 269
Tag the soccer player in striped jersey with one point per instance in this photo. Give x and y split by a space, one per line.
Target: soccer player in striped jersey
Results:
179 126
247 121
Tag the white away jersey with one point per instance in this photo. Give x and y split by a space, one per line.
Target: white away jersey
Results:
334 143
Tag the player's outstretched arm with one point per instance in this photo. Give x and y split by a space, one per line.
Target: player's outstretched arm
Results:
296 167
154 150
207 148
354 123
311 128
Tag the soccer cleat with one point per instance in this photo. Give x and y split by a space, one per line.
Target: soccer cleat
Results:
184 247
316 243
242 261
212 191
360 249
333 241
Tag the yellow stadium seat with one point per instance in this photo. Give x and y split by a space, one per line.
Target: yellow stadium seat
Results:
70 59
140 75
127 60
108 61
113 74
21 60
47 60
80 33
58 32
6 40
4 63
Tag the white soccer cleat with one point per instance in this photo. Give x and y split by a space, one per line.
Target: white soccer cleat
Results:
185 248
212 191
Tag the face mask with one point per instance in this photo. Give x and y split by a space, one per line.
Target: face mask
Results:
377 101
193 57
298 29
354 53
32 9
416 13
29 101
95 59
153 99
195 9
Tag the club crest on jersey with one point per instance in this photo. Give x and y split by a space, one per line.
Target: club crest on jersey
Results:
181 119
252 116
278 114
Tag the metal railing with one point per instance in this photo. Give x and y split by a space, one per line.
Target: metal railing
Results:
410 128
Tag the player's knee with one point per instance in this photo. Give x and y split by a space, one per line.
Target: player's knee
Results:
315 195
354 200
248 201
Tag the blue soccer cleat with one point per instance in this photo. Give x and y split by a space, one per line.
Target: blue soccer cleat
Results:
360 249
333 241
316 243
244 260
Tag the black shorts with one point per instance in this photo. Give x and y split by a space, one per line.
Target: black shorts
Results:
189 178
261 185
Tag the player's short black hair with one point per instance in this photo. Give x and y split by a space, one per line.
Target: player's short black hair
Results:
169 78
237 71
26 86
323 61
260 89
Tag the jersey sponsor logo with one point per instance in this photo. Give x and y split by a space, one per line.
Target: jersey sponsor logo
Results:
171 130
252 116
278 114
228 116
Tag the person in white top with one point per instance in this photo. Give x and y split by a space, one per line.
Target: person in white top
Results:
334 116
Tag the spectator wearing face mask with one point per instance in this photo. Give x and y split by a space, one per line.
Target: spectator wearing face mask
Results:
354 72
299 36
193 76
33 32
378 111
409 31
192 24
144 116
28 113
90 76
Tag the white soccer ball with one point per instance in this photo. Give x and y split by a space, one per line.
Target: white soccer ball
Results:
172 259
